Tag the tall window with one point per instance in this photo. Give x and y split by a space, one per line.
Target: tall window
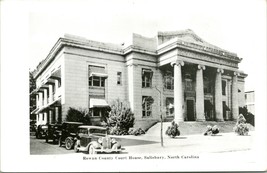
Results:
146 106
168 81
147 78
223 87
207 85
119 78
188 85
169 106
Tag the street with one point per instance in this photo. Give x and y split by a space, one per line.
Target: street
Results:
197 144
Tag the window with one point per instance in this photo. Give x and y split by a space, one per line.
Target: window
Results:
169 106
97 76
188 85
146 106
147 78
96 112
207 85
96 81
168 82
223 87
118 78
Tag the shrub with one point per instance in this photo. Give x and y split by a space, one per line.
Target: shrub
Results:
173 130
120 118
250 118
78 115
136 132
241 127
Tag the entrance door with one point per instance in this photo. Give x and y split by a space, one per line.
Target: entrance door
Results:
190 110
207 110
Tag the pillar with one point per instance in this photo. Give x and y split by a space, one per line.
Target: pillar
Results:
234 96
56 114
218 95
40 99
200 93
51 121
50 93
37 101
45 118
45 97
178 91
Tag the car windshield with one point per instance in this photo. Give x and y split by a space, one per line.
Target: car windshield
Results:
98 131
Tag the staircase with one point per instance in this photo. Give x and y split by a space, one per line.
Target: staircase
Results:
192 127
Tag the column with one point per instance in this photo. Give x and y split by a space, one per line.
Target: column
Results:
178 91
200 93
40 99
234 96
50 93
218 95
45 118
45 97
37 101
56 114
51 121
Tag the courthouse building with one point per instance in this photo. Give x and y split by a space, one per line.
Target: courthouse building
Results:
188 78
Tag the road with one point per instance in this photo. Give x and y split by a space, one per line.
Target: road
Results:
223 143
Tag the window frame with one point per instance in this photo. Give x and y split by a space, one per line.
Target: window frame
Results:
147 75
119 78
146 108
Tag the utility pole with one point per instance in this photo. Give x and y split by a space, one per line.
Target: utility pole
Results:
161 119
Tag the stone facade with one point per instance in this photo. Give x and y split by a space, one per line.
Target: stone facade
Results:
188 78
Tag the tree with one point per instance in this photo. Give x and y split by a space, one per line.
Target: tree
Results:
120 118
32 86
78 115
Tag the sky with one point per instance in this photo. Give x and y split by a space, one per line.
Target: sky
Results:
238 26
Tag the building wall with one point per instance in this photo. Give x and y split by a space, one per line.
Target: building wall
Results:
77 75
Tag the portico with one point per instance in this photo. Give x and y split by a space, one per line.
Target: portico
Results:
191 104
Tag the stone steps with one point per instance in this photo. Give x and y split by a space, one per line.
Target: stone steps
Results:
192 127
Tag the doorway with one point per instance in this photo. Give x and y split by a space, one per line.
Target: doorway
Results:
190 110
208 110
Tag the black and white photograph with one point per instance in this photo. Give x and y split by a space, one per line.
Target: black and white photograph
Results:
118 86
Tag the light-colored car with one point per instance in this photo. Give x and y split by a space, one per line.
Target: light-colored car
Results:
94 139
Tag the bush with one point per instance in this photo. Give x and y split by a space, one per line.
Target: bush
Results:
136 132
241 127
120 118
173 130
78 115
250 118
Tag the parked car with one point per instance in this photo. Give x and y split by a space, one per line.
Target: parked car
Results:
53 132
94 139
68 133
41 131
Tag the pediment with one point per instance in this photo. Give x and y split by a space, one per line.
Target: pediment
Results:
186 36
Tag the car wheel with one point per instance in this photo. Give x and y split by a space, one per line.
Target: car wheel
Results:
76 150
68 143
59 142
91 150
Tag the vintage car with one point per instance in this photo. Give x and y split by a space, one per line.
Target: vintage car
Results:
53 132
69 131
41 131
94 139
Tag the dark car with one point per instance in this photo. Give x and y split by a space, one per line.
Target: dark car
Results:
53 132
94 139
68 133
41 131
